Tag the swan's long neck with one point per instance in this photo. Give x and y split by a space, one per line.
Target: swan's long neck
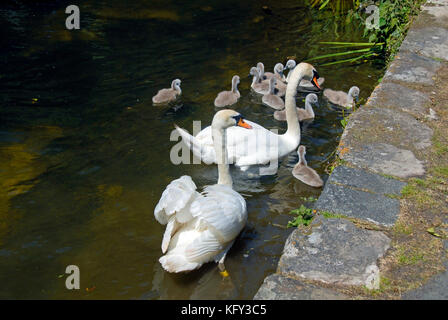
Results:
302 159
289 74
272 86
261 70
309 108
175 87
256 78
235 87
292 119
219 142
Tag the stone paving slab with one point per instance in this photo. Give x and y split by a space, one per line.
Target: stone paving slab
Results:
362 179
371 207
434 13
335 252
386 159
277 287
412 68
396 96
428 41
374 124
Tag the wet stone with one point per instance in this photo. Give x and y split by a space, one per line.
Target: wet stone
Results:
386 159
278 287
335 252
412 68
362 179
372 207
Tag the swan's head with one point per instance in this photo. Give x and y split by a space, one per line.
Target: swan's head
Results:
278 68
176 84
312 99
228 118
235 80
290 64
354 92
301 151
253 72
260 67
309 73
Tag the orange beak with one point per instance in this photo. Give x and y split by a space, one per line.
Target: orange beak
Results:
315 83
243 124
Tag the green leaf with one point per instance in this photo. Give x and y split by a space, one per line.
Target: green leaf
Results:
340 54
431 231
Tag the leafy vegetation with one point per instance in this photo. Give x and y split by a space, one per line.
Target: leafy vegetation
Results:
384 40
304 216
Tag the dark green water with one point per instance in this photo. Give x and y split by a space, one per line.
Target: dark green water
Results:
84 156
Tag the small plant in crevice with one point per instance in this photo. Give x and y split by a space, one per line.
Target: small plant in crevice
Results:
304 216
309 199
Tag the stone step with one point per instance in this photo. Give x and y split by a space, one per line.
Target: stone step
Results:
278 287
359 194
335 252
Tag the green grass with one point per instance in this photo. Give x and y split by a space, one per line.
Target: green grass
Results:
329 215
409 191
410 258
401 228
441 171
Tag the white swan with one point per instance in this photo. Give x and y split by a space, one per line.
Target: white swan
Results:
305 85
260 145
169 94
201 227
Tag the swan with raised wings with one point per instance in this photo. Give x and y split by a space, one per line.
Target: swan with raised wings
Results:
260 145
201 227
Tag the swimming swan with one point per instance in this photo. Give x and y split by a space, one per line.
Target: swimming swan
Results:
259 86
341 98
304 173
227 98
271 99
260 145
305 85
201 227
303 114
168 95
278 72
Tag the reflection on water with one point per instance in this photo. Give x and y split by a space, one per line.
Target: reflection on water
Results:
85 156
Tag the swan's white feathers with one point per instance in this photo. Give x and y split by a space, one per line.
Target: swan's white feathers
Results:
171 228
201 230
222 208
204 248
244 147
175 197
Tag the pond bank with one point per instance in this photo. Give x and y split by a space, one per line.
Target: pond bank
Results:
382 220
